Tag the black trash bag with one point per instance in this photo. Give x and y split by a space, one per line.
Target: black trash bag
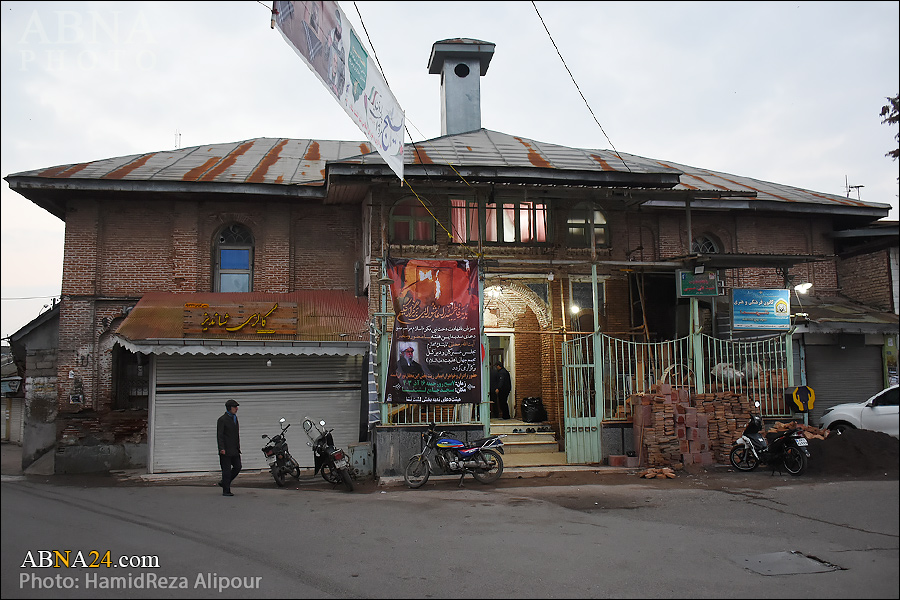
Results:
533 410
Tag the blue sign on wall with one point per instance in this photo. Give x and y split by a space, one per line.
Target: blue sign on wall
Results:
761 309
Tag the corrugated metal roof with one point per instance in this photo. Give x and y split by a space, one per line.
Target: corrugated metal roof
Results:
839 315
277 161
293 162
322 316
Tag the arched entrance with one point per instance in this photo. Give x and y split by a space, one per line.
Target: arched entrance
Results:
517 324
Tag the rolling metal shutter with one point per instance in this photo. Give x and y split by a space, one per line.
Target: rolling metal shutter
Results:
837 376
17 420
189 394
13 420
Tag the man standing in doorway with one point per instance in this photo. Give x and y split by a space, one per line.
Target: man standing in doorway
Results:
501 385
228 436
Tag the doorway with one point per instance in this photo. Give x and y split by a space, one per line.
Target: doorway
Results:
502 349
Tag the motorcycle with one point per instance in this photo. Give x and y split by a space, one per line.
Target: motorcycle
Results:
332 462
481 458
789 449
278 457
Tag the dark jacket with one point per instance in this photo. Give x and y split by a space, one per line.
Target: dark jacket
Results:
501 380
228 435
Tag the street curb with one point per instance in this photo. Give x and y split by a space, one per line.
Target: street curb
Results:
520 473
384 481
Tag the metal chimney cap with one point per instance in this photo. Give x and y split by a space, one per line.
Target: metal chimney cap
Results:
460 48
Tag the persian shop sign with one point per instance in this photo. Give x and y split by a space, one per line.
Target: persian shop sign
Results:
761 309
692 285
237 321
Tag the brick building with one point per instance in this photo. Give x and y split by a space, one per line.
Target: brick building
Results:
168 255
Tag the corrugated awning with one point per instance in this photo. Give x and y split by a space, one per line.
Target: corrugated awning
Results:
321 322
839 315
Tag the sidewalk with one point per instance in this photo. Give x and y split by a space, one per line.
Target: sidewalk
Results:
12 466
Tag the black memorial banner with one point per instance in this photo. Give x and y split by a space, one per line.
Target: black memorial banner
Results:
435 353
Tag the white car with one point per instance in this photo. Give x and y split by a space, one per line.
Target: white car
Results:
878 413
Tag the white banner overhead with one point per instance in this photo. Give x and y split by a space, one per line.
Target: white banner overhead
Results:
320 33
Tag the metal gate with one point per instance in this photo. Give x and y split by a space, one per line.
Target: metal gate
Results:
583 409
601 374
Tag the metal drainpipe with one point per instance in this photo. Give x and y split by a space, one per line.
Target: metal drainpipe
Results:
485 410
697 345
383 346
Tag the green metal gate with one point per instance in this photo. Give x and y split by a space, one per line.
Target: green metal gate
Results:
601 374
583 407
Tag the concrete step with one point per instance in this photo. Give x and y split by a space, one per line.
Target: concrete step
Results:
507 426
533 459
537 436
544 446
521 442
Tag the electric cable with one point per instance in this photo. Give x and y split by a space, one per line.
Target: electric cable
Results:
577 87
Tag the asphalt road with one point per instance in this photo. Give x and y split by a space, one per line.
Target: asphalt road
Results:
718 535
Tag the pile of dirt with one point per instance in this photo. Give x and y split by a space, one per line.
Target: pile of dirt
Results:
856 452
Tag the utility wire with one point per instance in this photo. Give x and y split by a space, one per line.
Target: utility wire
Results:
577 87
414 145
30 298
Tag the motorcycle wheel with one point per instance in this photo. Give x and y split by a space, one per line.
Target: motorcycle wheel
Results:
417 471
494 470
295 469
329 475
345 477
795 461
278 475
742 458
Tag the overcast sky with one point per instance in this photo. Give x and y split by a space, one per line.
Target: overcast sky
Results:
787 92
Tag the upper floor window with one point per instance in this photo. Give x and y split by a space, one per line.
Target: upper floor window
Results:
586 219
505 220
411 223
704 245
234 259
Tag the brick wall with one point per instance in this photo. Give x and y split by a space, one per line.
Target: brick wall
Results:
866 278
530 369
116 251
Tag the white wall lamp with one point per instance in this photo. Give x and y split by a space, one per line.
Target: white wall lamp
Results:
802 288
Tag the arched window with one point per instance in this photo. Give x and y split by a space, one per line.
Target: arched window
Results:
704 244
411 223
234 259
584 218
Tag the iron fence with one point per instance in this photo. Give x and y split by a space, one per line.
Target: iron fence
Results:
441 414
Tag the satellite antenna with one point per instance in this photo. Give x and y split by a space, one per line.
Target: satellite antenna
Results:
852 187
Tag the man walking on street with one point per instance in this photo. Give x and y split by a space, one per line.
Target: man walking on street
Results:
229 440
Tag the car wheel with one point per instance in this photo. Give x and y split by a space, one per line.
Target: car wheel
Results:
840 428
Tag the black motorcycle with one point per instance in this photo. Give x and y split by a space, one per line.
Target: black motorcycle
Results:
481 458
332 462
278 457
789 449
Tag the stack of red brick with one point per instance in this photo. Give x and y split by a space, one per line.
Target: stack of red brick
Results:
671 426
